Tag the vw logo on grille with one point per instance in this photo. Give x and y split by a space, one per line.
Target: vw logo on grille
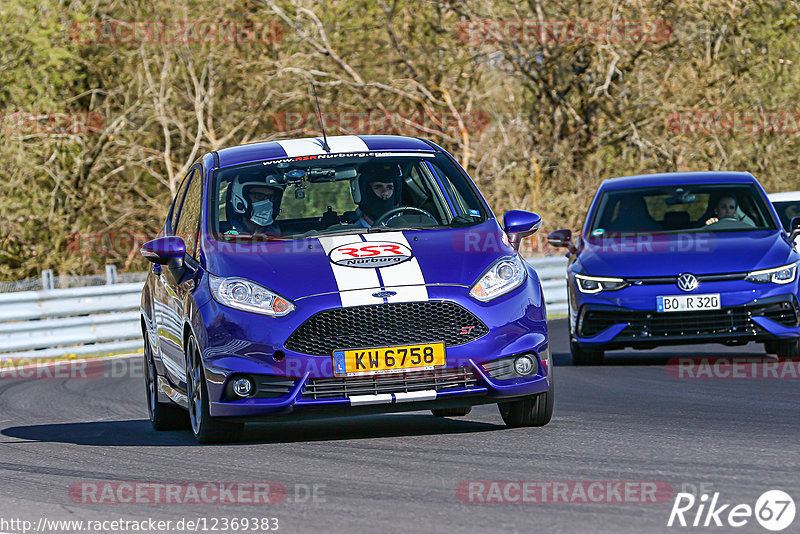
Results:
687 282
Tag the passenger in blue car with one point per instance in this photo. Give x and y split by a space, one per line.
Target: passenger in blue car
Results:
378 192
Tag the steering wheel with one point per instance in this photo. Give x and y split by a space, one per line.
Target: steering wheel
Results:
394 212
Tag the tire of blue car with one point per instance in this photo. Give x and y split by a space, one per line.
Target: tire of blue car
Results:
452 412
535 410
581 356
206 429
789 349
163 416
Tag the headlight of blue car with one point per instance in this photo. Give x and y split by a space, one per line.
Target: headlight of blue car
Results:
243 294
596 284
505 275
777 275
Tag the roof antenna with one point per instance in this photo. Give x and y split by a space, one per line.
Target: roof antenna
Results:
325 146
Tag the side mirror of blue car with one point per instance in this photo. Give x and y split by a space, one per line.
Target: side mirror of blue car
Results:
795 225
518 224
168 250
562 238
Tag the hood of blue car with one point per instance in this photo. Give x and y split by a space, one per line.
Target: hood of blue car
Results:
369 261
668 255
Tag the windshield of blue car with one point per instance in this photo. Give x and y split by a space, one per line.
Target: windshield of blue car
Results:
681 209
301 197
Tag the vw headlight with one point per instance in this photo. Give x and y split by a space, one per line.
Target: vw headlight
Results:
777 275
505 275
596 284
243 294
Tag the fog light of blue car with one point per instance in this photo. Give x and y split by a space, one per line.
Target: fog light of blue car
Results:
243 386
524 366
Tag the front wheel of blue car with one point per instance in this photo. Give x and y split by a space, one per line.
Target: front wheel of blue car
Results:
788 349
163 416
206 429
536 410
452 412
581 356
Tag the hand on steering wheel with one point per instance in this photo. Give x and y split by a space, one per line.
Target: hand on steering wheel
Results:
394 212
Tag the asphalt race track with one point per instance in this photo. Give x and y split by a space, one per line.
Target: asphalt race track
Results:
629 420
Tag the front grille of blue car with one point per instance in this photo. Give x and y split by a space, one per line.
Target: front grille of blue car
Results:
437 379
733 321
384 325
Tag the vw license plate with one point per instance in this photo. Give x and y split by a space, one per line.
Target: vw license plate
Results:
381 360
670 303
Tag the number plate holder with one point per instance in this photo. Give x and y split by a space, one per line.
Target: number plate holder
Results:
698 302
383 360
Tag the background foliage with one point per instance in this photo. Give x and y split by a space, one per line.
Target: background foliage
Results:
537 124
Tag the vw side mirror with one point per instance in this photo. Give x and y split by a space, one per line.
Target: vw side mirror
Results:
562 239
795 226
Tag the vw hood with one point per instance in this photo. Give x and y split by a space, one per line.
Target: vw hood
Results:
700 253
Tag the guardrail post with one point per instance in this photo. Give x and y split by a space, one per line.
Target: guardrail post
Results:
47 279
111 274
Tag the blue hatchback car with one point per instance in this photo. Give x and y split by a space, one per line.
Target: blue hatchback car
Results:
681 258
341 276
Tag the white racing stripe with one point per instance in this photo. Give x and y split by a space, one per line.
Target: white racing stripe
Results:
313 146
405 279
356 286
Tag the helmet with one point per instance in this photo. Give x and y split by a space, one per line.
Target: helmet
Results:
377 171
239 201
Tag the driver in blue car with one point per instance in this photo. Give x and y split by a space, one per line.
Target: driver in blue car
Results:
257 204
728 208
379 192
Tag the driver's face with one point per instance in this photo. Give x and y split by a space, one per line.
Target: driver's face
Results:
382 190
260 194
726 208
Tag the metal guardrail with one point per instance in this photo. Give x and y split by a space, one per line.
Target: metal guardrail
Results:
104 319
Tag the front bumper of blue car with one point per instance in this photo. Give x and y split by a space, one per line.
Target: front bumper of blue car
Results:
308 397
604 326
296 376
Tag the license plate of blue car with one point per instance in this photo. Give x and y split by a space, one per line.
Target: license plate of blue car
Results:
674 303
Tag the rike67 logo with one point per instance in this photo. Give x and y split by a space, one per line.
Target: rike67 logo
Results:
774 510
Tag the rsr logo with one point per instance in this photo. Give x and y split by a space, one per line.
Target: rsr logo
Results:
370 254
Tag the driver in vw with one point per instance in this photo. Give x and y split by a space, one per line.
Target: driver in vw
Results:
257 204
378 192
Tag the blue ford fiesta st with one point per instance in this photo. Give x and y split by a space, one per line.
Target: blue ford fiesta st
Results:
681 258
342 276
